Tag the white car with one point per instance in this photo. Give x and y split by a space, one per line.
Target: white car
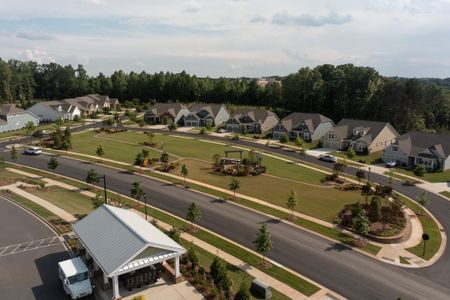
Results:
328 158
32 151
221 130
392 164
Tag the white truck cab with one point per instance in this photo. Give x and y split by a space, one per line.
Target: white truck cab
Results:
75 278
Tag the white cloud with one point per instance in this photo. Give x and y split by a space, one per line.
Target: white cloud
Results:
38 55
34 36
310 20
192 7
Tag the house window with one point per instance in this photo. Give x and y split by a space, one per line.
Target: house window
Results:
331 136
394 148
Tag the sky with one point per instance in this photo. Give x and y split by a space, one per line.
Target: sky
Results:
232 38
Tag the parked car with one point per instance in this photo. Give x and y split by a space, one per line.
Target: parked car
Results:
392 164
32 151
328 158
221 130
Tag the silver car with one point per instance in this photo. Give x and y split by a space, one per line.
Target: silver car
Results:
328 158
32 151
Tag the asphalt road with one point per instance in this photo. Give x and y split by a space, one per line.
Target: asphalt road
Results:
349 273
28 273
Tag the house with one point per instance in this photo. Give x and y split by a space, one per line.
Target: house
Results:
429 150
207 114
252 121
50 111
14 118
363 136
307 126
92 103
118 244
166 113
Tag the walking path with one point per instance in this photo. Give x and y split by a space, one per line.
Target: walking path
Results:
322 294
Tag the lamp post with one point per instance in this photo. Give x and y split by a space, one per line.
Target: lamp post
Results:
368 176
104 188
145 207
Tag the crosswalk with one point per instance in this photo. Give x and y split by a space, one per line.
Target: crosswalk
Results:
28 246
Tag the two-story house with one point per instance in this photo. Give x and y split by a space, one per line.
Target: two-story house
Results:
166 112
252 121
363 136
420 149
207 114
307 126
14 118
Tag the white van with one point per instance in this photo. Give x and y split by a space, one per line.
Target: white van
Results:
75 278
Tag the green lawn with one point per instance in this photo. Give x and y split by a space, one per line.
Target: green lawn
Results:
431 177
21 132
320 202
430 227
87 143
7 177
194 148
371 158
71 201
445 194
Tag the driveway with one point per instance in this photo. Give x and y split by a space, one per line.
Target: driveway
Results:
29 256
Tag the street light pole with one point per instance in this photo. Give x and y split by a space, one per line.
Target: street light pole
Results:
145 207
368 176
104 188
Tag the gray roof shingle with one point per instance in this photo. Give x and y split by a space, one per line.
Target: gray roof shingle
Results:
413 143
311 120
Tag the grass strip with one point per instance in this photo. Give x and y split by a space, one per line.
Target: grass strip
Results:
445 194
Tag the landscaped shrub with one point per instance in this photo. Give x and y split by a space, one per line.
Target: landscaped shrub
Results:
203 130
419 171
284 138
235 137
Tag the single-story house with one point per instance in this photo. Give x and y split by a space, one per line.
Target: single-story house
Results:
14 118
119 242
361 135
307 126
50 111
429 150
171 112
92 103
252 121
206 114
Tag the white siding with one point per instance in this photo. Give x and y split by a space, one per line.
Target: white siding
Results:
45 113
321 130
222 116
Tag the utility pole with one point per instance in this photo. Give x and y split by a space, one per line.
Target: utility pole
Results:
104 188
145 207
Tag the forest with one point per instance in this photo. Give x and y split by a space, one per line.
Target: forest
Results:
343 91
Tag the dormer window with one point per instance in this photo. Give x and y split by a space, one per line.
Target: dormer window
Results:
394 148
331 135
356 132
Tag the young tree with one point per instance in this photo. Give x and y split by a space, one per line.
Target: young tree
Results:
350 153
299 142
338 169
366 191
172 127
284 138
100 152
391 177
185 172
292 202
192 257
92 177
361 223
68 137
150 137
53 164
216 159
165 160
57 138
139 160
14 153
145 153
220 276
29 128
193 214
360 175
2 163
136 191
263 241
423 199
375 209
174 234
243 292
234 185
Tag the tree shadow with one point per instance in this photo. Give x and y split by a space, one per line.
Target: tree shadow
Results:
337 247
218 200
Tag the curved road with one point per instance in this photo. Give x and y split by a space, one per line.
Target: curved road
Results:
349 273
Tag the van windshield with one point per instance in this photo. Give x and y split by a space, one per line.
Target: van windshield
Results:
78 278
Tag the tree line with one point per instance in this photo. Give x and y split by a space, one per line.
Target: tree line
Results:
344 91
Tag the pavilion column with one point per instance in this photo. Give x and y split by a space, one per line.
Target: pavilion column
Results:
105 278
177 267
115 283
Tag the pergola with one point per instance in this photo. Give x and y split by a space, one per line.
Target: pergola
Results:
119 241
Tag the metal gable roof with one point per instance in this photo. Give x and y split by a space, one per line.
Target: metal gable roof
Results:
115 236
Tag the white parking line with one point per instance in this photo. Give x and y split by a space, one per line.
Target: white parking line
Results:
28 246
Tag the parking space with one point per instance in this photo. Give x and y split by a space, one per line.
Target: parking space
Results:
29 256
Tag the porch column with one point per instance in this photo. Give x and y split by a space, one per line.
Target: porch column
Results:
115 282
105 278
177 267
